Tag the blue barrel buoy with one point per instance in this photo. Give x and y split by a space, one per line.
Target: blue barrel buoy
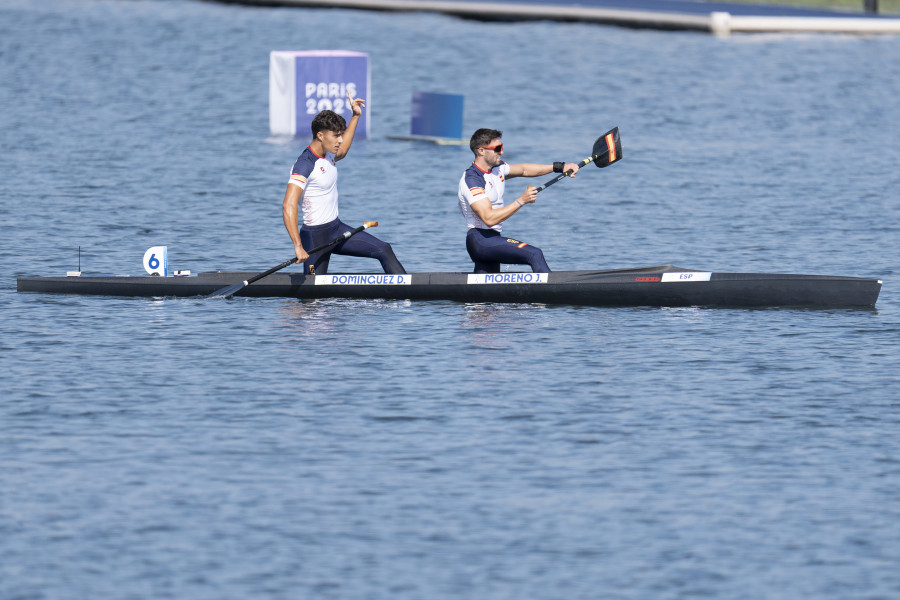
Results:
437 115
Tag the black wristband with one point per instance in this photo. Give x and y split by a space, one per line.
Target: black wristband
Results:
559 167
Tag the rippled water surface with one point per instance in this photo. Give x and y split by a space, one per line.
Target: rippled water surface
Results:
353 449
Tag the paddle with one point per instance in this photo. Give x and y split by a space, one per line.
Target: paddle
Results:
231 290
607 150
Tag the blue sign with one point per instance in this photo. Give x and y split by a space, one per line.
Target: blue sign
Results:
304 83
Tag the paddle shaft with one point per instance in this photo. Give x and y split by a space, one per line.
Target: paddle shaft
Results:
233 289
563 175
324 246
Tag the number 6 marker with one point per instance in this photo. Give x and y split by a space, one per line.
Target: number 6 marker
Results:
156 261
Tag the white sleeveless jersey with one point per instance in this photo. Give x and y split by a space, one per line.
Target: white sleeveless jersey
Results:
317 177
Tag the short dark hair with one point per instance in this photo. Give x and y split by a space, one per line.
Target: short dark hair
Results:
328 120
483 137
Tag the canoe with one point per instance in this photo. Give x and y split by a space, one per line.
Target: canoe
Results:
658 286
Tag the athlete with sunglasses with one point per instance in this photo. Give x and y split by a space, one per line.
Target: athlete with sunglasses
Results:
481 202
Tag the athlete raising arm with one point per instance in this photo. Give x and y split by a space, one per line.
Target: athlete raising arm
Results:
313 187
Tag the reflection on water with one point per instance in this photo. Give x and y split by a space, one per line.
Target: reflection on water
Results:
489 325
304 320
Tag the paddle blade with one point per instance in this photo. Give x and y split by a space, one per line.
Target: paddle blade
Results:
608 148
229 291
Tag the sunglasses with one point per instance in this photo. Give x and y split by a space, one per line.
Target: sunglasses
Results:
498 148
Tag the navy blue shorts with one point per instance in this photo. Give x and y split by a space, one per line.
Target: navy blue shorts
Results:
489 249
362 244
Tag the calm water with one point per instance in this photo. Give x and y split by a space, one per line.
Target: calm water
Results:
349 449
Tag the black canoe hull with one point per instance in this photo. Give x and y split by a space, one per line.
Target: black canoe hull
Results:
650 286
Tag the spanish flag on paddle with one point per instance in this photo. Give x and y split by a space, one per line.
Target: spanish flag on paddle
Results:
607 148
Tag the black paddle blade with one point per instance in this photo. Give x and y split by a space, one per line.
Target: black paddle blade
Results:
608 148
229 291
